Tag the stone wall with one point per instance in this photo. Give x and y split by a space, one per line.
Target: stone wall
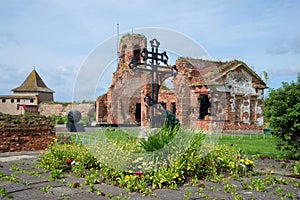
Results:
62 109
25 133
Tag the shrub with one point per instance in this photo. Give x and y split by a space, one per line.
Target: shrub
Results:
282 111
60 119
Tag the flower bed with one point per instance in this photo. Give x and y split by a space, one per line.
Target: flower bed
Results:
123 162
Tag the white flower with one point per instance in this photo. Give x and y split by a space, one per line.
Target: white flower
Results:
74 163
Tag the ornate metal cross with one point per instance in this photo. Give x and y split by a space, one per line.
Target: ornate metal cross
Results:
152 63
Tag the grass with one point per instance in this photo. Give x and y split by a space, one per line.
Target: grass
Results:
264 145
116 136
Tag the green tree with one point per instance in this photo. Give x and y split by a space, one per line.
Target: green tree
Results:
282 111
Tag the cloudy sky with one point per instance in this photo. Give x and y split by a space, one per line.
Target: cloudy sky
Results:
56 36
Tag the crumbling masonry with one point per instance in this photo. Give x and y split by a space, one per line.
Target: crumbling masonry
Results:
205 94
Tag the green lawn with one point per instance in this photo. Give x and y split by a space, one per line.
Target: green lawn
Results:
116 135
265 145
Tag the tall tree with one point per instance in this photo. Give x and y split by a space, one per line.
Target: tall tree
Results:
282 111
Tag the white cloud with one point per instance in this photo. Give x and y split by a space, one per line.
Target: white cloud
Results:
57 35
286 45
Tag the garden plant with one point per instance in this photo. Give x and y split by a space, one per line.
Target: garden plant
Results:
118 160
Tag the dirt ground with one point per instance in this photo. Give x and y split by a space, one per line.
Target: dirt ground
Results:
272 179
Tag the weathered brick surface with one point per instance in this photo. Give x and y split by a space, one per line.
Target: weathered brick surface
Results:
227 96
25 133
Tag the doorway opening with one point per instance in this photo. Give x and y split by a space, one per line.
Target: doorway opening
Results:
138 110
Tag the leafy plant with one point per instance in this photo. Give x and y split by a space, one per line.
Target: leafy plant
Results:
257 185
279 191
290 195
229 188
45 189
187 193
297 168
61 156
158 140
93 177
11 177
3 193
282 111
55 174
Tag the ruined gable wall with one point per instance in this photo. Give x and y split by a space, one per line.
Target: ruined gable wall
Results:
238 103
244 101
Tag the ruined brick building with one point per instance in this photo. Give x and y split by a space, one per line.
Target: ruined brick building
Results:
204 93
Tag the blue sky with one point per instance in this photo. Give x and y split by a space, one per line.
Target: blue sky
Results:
57 36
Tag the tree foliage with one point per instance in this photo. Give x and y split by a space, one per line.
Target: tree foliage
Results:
282 111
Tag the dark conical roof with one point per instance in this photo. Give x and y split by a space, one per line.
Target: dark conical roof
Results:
33 83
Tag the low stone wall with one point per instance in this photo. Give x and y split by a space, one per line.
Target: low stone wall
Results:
62 109
239 127
25 133
229 127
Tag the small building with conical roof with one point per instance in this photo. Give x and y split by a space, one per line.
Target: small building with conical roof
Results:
34 85
27 96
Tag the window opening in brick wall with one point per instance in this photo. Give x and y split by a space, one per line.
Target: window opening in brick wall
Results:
136 53
173 108
204 105
138 110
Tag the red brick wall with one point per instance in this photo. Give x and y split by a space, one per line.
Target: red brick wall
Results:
25 133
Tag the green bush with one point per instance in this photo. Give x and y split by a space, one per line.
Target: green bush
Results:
282 111
60 119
